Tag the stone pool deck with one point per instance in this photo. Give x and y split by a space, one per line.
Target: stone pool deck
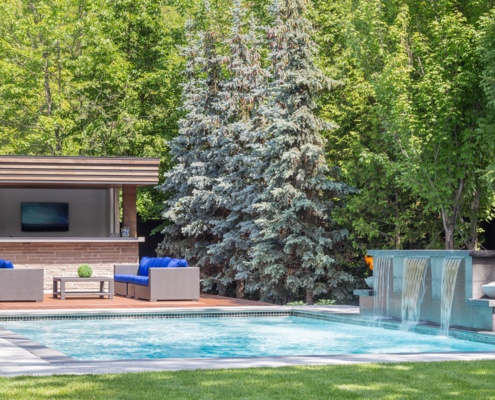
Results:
19 356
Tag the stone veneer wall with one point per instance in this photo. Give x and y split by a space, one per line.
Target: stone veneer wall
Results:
63 259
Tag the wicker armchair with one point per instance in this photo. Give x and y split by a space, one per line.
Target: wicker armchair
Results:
21 284
163 283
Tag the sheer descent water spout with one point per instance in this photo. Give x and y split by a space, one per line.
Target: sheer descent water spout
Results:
413 289
449 276
382 272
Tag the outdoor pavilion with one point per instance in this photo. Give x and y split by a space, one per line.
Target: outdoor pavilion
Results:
99 191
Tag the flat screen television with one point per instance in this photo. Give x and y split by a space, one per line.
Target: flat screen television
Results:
45 217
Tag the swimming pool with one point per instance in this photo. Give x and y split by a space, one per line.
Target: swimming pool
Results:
219 335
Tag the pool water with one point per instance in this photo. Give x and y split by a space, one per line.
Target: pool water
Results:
114 339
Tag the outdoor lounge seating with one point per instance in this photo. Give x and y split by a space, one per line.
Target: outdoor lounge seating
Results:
20 284
157 279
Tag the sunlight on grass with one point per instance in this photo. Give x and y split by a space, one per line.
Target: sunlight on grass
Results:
481 372
380 390
360 387
402 367
468 379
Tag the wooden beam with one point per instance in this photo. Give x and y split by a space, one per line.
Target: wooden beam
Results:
88 171
129 213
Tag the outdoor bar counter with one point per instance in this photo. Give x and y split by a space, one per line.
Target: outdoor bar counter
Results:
29 240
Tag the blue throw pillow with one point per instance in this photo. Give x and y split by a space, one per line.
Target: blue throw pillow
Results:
177 263
154 262
6 264
174 263
182 263
151 261
143 266
144 260
163 262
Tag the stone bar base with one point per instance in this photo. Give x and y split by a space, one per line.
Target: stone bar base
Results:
63 258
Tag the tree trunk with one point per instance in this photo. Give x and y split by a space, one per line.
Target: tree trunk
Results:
449 228
48 92
475 207
222 290
239 292
309 297
397 225
450 218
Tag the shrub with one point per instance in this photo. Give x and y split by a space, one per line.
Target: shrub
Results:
84 271
325 302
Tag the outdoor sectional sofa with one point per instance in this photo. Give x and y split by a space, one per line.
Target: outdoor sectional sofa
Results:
20 284
157 279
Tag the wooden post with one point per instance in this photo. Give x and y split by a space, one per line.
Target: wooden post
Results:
114 210
129 214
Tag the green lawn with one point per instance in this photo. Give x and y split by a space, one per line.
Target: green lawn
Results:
453 380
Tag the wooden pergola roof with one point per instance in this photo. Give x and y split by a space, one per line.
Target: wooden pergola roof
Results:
45 171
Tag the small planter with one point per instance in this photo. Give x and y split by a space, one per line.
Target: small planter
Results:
369 281
489 290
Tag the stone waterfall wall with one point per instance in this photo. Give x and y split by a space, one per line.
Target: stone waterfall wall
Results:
470 308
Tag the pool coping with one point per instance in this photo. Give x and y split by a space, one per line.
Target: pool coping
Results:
21 356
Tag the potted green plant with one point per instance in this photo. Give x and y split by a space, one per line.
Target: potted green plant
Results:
84 271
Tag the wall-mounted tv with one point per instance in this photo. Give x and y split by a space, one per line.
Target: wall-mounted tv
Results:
45 217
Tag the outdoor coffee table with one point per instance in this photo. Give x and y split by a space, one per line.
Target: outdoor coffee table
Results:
62 280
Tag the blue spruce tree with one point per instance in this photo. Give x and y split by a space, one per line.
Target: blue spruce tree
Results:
294 236
239 99
193 205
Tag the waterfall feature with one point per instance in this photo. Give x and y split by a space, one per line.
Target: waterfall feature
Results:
465 299
449 277
413 289
382 275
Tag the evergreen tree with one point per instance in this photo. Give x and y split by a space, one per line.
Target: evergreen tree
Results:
193 206
294 237
239 99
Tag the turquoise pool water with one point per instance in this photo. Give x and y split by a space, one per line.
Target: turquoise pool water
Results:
114 339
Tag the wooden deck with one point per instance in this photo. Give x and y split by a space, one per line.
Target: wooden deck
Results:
49 303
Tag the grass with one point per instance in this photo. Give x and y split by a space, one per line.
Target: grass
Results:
433 380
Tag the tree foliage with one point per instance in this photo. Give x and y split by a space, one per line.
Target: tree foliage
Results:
417 77
253 196
243 91
294 235
382 214
236 122
90 77
194 206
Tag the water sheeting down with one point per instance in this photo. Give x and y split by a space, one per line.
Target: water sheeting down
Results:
382 273
449 277
413 289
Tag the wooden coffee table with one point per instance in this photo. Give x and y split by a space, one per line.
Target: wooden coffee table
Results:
62 280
